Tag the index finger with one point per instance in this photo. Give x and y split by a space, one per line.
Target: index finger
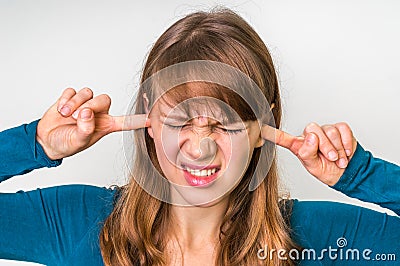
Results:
130 122
281 138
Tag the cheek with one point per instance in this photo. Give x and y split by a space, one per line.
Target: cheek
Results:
236 151
225 146
170 145
167 147
239 151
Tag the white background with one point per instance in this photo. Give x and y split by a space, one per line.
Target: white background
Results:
336 61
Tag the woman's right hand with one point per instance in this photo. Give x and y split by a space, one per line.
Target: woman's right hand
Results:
77 121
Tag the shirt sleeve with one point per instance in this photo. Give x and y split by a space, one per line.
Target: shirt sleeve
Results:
333 233
54 226
371 179
21 153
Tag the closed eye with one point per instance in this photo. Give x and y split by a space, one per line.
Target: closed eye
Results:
230 131
176 127
215 129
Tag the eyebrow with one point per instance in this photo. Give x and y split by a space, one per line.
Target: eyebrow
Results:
180 118
173 116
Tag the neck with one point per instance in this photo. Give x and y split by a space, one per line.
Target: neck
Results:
197 227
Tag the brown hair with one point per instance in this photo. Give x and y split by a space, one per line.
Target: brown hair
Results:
135 232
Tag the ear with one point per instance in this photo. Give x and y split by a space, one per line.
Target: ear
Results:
146 108
150 131
260 141
272 106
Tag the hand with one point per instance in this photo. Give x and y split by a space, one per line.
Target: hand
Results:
325 151
77 121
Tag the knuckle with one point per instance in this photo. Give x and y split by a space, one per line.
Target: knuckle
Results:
106 98
69 90
342 125
87 92
302 153
341 153
346 132
331 132
71 102
86 130
311 127
67 94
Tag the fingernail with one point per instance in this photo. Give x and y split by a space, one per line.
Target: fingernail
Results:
311 139
348 152
65 110
342 163
75 114
332 155
86 114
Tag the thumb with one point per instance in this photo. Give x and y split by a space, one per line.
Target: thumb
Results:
308 152
85 126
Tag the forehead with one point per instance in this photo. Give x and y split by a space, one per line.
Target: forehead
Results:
196 107
194 99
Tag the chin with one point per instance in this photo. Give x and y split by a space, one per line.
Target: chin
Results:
196 197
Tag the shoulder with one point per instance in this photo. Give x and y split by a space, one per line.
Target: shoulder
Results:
84 201
322 223
310 215
87 196
55 223
88 192
324 211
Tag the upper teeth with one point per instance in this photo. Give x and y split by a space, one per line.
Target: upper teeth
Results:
204 172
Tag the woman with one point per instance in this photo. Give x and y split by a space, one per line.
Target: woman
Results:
172 212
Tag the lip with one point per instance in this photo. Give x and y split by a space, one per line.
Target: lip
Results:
200 181
200 167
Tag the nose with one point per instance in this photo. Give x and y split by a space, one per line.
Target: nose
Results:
200 148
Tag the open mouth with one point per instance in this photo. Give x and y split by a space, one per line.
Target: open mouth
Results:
200 175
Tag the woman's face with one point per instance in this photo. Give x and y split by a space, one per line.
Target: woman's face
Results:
201 154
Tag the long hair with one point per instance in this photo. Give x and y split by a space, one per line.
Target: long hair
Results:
135 232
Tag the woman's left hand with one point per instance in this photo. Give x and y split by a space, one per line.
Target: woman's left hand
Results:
325 151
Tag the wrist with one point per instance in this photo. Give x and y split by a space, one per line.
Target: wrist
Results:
40 138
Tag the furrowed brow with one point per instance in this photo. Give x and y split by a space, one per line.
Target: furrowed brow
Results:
174 116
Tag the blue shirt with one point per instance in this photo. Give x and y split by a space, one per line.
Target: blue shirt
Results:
61 225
